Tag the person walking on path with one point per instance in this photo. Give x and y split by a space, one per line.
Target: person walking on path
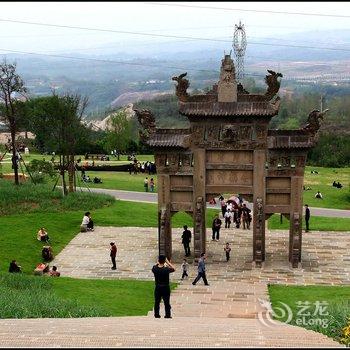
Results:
227 250
161 272
201 271
184 267
186 239
145 184
216 228
113 255
307 217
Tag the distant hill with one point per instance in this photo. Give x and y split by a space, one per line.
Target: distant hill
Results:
132 97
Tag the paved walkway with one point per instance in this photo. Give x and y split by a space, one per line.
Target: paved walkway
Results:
228 313
153 198
325 260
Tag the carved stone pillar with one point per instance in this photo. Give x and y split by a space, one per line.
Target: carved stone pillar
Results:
164 216
295 240
164 232
259 232
259 205
199 231
199 202
295 232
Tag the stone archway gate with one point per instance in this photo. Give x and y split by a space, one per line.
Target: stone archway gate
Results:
228 148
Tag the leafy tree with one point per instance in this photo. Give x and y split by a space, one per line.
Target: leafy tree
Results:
57 123
119 133
11 108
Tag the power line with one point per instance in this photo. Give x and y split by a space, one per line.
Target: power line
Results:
169 36
109 61
250 10
123 62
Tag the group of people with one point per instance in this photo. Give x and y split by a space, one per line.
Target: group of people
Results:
46 253
186 240
234 213
86 178
337 184
144 167
149 184
161 272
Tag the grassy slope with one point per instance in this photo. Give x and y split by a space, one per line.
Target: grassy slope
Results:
332 197
336 296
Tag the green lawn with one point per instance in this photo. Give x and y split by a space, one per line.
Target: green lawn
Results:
24 296
120 180
332 197
18 231
317 223
338 308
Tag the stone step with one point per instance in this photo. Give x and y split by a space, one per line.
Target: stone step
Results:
149 332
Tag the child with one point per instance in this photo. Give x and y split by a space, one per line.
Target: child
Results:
227 250
184 266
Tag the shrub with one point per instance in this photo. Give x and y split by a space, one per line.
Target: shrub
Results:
40 198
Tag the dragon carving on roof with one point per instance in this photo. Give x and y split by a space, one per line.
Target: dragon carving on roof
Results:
273 84
181 87
313 121
147 121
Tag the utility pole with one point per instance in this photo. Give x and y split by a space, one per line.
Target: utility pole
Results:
321 102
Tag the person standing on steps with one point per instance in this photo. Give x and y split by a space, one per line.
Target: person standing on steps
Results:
216 228
186 239
161 272
227 250
201 271
307 217
113 254
184 267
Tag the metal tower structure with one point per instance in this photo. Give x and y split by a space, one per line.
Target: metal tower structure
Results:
239 45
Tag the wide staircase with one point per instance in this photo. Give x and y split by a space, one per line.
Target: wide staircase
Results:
232 314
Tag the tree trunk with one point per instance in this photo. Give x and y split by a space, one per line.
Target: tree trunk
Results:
14 156
71 173
62 165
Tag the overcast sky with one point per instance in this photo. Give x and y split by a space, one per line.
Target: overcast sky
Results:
154 18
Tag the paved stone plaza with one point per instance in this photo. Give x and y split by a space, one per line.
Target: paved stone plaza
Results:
228 313
325 257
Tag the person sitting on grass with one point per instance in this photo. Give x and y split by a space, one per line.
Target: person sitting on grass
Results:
42 235
87 223
54 272
14 267
318 195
